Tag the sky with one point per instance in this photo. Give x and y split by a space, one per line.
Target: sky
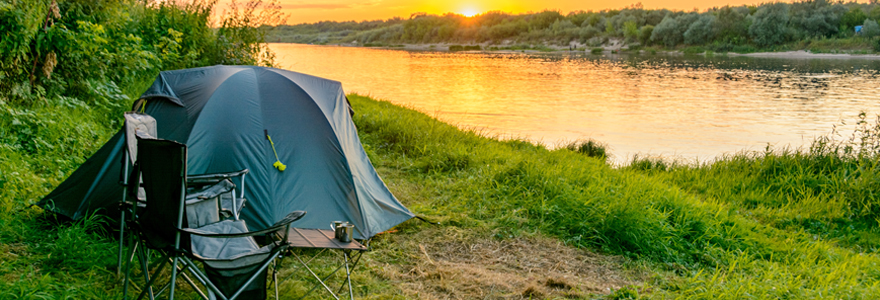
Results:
309 11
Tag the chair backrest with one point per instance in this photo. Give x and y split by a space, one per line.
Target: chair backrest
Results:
162 164
137 123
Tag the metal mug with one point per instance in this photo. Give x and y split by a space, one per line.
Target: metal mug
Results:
345 232
335 224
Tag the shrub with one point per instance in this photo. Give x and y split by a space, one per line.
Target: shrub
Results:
693 50
770 24
597 50
666 32
645 34
700 31
591 148
870 28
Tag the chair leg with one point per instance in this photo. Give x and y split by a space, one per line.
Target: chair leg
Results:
203 278
144 258
150 283
173 277
127 273
275 277
121 239
185 266
253 277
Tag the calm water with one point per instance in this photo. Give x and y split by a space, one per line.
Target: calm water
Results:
684 107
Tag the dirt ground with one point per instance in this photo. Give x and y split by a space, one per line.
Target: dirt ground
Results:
452 266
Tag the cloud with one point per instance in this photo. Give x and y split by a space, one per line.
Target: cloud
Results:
314 6
330 6
367 3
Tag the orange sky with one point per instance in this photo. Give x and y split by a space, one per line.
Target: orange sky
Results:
308 11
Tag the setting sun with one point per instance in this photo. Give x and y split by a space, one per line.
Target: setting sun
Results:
469 12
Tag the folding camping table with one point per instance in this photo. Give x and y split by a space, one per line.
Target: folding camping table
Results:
325 240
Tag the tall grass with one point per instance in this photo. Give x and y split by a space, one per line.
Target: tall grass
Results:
691 224
745 226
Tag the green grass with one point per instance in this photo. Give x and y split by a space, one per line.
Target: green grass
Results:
465 48
714 244
776 224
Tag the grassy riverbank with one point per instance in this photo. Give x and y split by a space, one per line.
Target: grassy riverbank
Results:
779 224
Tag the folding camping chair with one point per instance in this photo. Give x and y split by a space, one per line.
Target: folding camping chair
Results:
135 123
234 264
208 186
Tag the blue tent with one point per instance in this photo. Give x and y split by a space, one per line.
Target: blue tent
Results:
223 114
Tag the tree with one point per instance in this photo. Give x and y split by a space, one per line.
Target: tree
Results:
701 31
731 25
770 24
870 28
630 30
854 17
667 32
816 18
645 34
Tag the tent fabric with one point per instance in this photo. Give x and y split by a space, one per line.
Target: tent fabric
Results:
222 113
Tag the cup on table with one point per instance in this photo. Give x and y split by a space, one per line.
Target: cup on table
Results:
345 232
336 224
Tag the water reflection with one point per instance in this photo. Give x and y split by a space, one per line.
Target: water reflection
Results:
690 107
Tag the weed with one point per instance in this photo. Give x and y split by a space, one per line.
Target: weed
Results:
591 148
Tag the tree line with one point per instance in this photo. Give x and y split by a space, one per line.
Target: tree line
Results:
720 28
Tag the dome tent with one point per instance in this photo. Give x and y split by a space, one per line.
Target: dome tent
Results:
225 114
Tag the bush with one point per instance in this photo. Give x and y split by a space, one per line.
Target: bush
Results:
870 28
693 50
700 31
645 34
591 148
597 50
667 32
770 24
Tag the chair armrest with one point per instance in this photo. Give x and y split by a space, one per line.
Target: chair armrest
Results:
221 187
209 178
290 218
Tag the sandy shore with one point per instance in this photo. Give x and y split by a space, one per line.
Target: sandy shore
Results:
802 54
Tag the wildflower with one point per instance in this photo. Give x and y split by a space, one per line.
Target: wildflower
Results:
56 12
49 64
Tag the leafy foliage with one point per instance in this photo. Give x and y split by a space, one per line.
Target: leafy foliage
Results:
721 29
68 69
770 24
870 28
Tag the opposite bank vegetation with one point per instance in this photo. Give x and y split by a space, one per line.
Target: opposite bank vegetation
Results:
819 26
781 223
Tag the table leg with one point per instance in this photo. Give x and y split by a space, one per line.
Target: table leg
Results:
316 276
348 275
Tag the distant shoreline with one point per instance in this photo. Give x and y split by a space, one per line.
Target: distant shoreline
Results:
803 54
797 54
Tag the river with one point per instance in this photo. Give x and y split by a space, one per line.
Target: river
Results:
691 108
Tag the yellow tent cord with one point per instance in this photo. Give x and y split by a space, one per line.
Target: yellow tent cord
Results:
144 107
278 165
